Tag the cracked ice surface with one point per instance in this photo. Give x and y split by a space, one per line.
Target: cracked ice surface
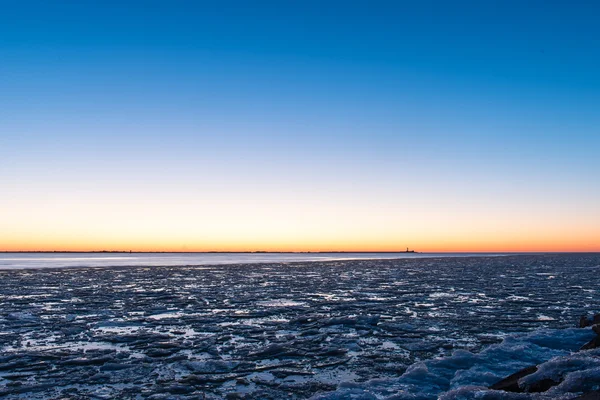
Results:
272 331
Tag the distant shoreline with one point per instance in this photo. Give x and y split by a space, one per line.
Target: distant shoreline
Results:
42 260
286 252
212 252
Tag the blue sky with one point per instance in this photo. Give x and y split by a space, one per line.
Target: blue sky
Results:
486 112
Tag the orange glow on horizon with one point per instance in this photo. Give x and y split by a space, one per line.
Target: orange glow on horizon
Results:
68 221
489 245
298 237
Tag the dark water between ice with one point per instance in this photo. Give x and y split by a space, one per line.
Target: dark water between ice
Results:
271 331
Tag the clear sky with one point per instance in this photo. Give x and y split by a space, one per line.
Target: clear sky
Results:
300 125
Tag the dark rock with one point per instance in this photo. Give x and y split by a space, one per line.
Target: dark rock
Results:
511 382
596 328
584 321
592 344
541 386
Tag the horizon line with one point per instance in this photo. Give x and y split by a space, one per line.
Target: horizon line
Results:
287 252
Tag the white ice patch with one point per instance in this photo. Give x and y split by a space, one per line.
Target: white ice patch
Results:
280 303
542 317
166 315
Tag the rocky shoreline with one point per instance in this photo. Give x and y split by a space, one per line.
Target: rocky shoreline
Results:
536 379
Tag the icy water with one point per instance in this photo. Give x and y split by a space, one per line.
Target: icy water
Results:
326 330
60 260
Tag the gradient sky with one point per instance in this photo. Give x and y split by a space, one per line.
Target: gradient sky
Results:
300 125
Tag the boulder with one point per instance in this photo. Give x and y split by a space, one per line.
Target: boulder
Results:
541 386
511 383
592 344
584 322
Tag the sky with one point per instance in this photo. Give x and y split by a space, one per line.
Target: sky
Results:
300 125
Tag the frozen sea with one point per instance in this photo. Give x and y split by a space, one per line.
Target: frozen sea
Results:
332 328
